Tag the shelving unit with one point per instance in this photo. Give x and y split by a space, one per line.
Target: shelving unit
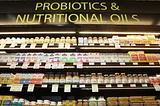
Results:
78 90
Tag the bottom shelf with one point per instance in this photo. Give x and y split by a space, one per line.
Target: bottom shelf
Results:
85 101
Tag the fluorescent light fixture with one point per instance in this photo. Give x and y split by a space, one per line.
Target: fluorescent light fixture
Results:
155 33
57 32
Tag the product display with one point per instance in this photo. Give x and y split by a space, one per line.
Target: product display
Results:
92 101
115 39
69 77
38 40
132 56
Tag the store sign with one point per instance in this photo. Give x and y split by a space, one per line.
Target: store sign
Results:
75 17
80 12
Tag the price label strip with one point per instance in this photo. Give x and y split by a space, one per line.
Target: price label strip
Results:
54 88
67 88
94 87
16 87
30 88
45 45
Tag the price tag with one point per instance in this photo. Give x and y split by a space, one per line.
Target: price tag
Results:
30 88
127 44
157 87
61 65
144 85
2 45
135 63
16 87
91 63
151 63
74 63
80 65
61 45
108 85
25 65
67 45
13 65
36 65
85 44
121 44
23 46
33 45
51 44
54 88
8 85
133 44
0 85
75 44
82 86
102 44
117 46
122 63
67 88
74 86
47 65
111 44
94 87
147 44
119 85
13 45
45 45
103 63
55 65
91 44
132 85
44 86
